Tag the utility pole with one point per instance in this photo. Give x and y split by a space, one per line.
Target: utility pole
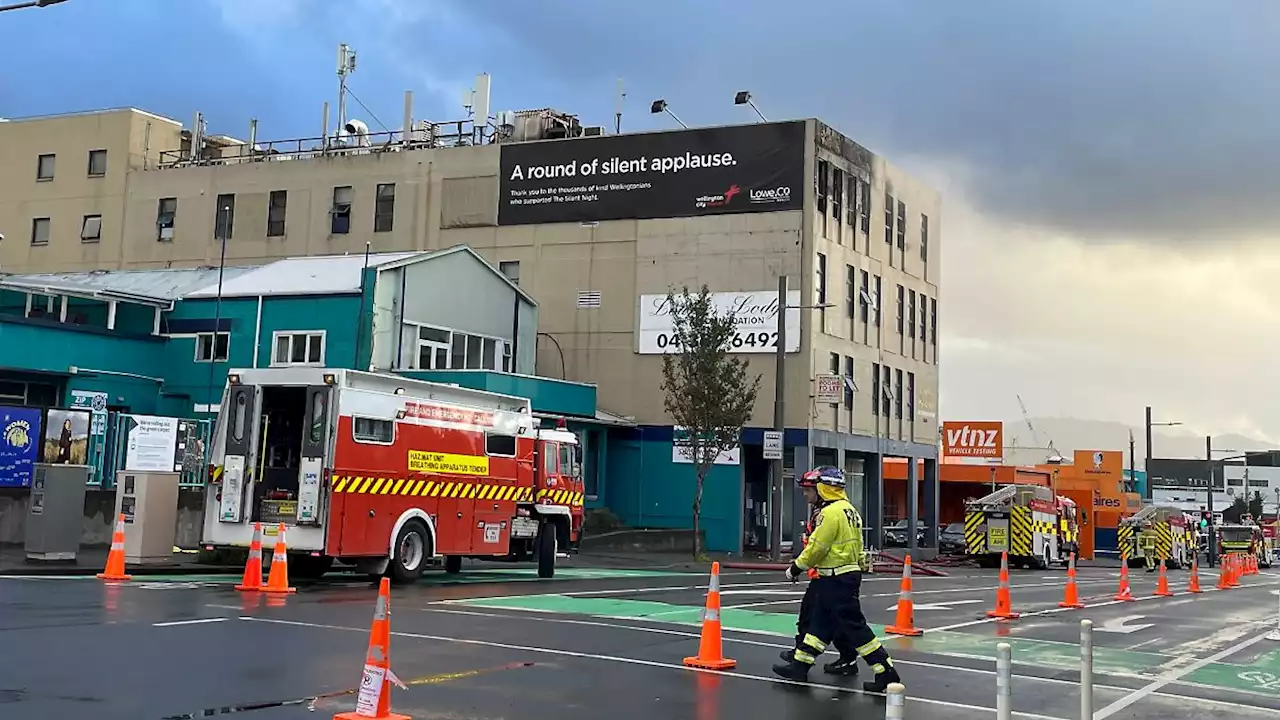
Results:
1213 526
1147 493
779 422
1133 460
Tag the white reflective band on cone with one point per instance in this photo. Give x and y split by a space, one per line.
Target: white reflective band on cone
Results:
710 614
715 584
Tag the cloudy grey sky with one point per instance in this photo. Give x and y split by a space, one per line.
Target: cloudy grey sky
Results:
1109 168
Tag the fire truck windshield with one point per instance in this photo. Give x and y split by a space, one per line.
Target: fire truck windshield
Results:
1236 535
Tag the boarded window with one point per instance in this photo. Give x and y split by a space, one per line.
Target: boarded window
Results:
469 202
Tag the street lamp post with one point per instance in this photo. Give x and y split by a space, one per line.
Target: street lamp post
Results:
1147 467
779 416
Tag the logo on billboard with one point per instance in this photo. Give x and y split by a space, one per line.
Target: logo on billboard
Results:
771 195
720 200
973 439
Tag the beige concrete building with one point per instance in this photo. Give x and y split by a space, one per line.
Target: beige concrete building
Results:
863 237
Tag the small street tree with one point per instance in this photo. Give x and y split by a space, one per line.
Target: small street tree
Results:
708 392
1255 506
1232 514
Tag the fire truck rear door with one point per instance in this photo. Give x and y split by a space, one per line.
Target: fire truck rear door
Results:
315 447
241 428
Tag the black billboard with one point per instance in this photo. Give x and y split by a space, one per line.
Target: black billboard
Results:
685 173
1183 474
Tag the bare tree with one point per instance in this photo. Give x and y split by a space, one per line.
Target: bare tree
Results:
708 392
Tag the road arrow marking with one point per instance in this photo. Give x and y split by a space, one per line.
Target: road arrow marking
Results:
938 606
1119 625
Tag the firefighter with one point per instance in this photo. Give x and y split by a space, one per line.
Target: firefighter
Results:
847 663
1147 541
835 551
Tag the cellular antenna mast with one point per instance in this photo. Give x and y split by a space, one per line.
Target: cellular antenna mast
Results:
346 66
617 111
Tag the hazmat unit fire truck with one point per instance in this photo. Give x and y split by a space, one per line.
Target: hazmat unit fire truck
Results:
386 473
1036 527
1247 538
1174 536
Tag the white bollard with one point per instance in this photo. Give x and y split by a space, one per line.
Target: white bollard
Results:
1004 676
895 701
1086 670
1275 634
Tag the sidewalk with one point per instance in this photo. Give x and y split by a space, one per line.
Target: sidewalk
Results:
91 560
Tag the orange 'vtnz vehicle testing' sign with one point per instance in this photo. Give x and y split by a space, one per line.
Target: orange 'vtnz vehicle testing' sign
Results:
973 439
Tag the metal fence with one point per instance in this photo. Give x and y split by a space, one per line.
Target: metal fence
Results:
108 452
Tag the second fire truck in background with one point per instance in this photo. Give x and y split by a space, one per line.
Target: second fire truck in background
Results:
1030 523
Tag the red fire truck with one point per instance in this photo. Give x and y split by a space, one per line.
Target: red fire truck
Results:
385 473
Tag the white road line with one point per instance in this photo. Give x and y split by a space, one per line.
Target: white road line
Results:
913 663
201 621
645 663
1171 677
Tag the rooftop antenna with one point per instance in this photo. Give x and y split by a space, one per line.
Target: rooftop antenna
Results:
617 112
480 107
346 66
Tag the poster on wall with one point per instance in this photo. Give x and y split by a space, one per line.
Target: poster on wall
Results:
680 173
153 444
66 437
682 453
755 315
19 445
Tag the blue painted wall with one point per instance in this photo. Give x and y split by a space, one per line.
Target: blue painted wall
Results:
646 489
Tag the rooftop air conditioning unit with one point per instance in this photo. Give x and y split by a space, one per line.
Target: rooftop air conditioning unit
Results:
592 130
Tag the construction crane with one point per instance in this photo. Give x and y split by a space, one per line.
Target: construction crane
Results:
1054 456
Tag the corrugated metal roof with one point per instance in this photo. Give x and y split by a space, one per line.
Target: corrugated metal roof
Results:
320 275
161 284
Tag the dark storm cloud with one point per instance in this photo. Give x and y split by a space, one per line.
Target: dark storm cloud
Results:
1153 118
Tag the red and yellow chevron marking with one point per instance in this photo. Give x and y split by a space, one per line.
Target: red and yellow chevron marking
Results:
560 497
217 473
352 485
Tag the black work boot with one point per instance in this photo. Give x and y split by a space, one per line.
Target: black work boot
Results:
787 655
847 666
879 660
793 670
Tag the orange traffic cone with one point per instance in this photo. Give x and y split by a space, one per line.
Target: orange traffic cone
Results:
1123 593
1004 605
1253 565
1071 597
278 578
1224 573
1162 585
253 566
905 622
711 647
1233 576
115 557
374 698
1193 585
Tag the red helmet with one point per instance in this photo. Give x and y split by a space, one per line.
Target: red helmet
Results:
824 474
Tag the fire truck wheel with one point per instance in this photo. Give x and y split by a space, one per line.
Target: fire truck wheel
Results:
412 548
547 550
453 564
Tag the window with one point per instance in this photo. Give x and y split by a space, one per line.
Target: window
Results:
924 237
911 314
835 364
502 445
852 202
91 228
277 206
902 225
166 215
875 389
888 219
433 349
886 392
911 396
511 269
373 430
879 304
97 163
824 172
897 393
241 416
848 383
901 302
864 296
40 231
440 349
1255 482
506 357
837 192
1237 482
224 217
822 280
549 458
924 316
850 290
933 323
45 166
340 220
319 415
384 209
865 211
568 463
298 348
205 350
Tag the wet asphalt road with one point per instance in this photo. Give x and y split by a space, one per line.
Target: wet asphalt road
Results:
501 644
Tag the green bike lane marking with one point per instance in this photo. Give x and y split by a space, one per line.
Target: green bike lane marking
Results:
1262 675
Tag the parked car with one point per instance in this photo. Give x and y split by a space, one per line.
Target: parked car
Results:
895 535
952 538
